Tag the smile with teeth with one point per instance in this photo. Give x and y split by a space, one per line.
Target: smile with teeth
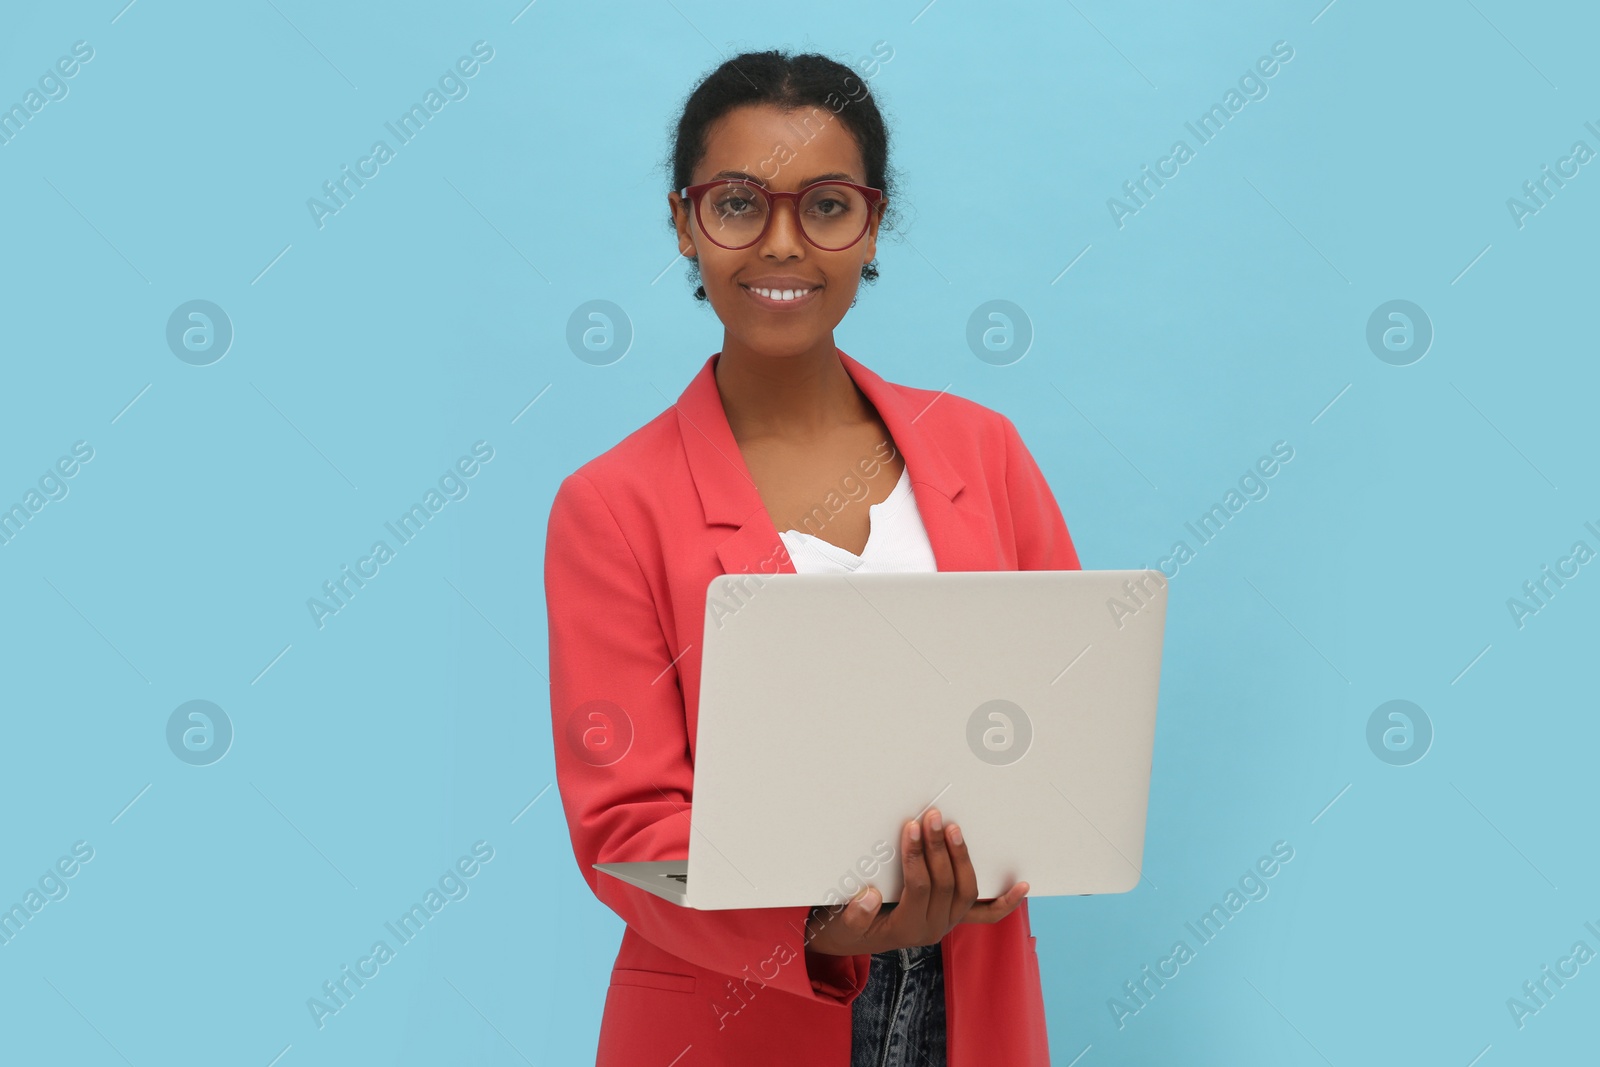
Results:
780 294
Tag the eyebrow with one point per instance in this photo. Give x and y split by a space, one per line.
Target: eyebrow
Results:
834 176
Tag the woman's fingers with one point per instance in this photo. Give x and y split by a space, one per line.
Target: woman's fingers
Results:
941 879
966 879
912 907
863 912
940 889
846 929
992 911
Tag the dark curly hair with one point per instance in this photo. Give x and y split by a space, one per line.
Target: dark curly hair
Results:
788 81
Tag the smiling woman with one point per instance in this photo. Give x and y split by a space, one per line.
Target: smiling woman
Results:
780 185
778 123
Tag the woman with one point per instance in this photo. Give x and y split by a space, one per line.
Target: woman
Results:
781 183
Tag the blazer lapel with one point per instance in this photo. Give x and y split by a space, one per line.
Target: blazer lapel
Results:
729 496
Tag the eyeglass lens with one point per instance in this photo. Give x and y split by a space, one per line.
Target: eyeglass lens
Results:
832 217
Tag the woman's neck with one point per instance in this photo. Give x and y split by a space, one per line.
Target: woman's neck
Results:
799 398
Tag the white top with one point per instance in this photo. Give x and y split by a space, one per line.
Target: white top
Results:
896 540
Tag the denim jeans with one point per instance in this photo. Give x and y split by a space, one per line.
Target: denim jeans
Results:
898 1019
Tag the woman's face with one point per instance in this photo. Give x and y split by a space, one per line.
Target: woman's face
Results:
783 150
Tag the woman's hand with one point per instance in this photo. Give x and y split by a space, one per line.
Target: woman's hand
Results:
940 891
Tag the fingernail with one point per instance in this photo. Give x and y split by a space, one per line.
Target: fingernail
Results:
916 830
935 823
863 901
955 834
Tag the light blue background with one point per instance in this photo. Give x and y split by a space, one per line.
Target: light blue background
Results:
1227 314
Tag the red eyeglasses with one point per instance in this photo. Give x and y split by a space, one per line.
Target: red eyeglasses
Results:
735 214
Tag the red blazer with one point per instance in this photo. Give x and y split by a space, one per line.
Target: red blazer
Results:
634 537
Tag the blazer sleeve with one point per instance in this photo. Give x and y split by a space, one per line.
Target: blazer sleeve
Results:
1043 543
613 683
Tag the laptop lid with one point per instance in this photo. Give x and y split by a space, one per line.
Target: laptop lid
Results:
834 707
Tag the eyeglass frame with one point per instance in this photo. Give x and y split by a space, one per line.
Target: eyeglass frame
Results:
694 193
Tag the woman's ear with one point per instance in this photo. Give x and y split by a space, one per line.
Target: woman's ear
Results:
874 225
680 222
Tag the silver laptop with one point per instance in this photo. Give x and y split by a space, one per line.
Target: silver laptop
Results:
835 707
